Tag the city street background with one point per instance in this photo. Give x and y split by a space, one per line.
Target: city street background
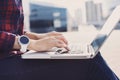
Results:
76 19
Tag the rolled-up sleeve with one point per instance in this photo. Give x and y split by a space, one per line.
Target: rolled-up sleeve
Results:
6 41
11 24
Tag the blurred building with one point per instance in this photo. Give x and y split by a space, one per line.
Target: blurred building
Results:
94 13
78 16
46 18
72 23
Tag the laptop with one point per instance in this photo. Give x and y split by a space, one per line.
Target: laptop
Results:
80 51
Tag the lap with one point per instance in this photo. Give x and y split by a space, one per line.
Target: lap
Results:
17 68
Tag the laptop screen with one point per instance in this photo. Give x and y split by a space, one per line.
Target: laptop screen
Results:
107 29
98 41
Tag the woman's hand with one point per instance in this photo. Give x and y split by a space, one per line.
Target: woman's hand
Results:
56 35
36 36
53 33
47 43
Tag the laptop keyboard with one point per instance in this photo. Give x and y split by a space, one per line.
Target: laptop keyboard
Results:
74 49
77 49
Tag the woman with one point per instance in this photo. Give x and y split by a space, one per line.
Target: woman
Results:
13 38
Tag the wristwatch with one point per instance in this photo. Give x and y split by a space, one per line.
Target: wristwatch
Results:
23 42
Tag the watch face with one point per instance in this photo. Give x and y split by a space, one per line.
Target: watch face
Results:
24 40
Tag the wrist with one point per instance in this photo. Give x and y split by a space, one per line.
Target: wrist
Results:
31 44
40 36
36 45
31 35
16 44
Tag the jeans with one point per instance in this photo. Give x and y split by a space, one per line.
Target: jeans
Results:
15 68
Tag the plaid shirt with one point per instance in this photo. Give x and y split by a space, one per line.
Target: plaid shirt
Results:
11 24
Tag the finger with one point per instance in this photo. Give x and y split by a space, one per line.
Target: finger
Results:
61 44
62 38
67 48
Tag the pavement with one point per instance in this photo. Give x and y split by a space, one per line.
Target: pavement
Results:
110 50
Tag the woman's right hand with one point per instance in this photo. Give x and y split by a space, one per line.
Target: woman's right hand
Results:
46 44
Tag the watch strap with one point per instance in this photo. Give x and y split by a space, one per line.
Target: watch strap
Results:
23 48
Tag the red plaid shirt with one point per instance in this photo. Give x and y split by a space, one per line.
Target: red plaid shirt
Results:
11 24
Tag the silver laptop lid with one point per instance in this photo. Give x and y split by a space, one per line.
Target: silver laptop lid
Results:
106 30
